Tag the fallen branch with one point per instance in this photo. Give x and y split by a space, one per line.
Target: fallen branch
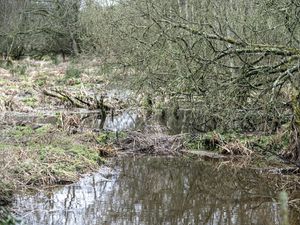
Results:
62 95
78 101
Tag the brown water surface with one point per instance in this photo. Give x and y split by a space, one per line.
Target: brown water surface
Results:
157 191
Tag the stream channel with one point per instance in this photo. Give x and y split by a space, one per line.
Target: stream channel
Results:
155 190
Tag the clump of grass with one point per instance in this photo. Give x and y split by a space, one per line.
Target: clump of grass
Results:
209 141
6 64
31 101
6 218
41 80
54 59
109 137
5 193
19 70
72 72
72 76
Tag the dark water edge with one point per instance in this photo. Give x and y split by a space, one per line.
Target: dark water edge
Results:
129 119
158 190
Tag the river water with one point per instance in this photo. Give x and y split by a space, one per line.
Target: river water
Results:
157 190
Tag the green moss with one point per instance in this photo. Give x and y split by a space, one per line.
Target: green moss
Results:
4 146
207 141
72 72
21 131
65 170
82 151
2 81
44 129
77 159
108 137
41 81
262 143
27 132
194 143
66 147
33 102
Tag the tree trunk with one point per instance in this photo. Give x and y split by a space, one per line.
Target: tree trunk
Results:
74 45
293 151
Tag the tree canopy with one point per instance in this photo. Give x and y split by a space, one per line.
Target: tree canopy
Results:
236 62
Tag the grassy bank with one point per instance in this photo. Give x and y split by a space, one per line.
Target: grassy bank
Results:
41 146
32 158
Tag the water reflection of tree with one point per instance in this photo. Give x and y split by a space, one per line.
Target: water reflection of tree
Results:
163 191
193 193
